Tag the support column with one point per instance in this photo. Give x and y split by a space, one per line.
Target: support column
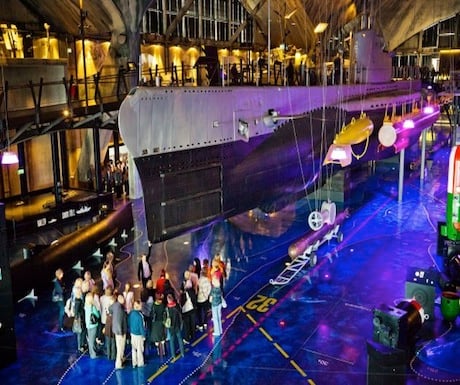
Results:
116 145
56 168
97 160
401 175
7 332
64 159
422 159
22 166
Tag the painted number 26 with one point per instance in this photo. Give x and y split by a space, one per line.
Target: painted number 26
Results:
261 303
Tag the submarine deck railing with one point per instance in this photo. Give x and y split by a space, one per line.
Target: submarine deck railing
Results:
104 93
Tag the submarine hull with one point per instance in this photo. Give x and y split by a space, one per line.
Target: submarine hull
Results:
37 271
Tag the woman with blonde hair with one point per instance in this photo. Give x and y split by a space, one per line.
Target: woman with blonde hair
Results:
107 276
79 318
216 300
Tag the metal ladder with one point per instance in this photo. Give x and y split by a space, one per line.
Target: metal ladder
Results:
293 268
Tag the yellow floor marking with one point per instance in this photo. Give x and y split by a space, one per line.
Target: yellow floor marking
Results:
157 373
299 369
234 311
267 336
251 318
281 350
197 341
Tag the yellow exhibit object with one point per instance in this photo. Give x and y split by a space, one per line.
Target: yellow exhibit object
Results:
355 132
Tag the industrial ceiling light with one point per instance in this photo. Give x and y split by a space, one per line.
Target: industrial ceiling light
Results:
320 28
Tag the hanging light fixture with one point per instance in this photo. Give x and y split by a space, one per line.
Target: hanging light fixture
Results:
9 157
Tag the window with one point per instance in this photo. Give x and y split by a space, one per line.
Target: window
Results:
430 37
219 19
153 21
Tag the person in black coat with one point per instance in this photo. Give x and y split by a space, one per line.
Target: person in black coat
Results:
174 330
58 297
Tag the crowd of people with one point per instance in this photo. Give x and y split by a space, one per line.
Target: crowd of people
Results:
107 316
115 177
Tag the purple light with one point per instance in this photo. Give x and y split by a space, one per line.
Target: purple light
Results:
409 123
428 110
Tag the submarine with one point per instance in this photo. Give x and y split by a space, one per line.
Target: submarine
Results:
209 153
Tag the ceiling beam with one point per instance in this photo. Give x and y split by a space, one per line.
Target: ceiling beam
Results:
258 22
172 27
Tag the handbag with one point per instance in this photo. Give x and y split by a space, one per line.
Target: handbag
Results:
224 303
69 308
56 297
94 318
167 320
76 325
188 305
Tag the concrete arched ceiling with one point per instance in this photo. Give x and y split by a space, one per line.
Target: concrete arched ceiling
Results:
291 21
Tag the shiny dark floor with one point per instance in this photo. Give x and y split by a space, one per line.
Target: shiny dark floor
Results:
314 330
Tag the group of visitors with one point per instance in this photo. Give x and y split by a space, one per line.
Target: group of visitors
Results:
115 177
104 324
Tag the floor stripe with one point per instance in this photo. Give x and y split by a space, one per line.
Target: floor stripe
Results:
267 336
298 368
281 350
197 341
157 373
252 319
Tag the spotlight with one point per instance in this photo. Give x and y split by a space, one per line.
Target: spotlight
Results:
428 110
338 155
408 123
132 66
